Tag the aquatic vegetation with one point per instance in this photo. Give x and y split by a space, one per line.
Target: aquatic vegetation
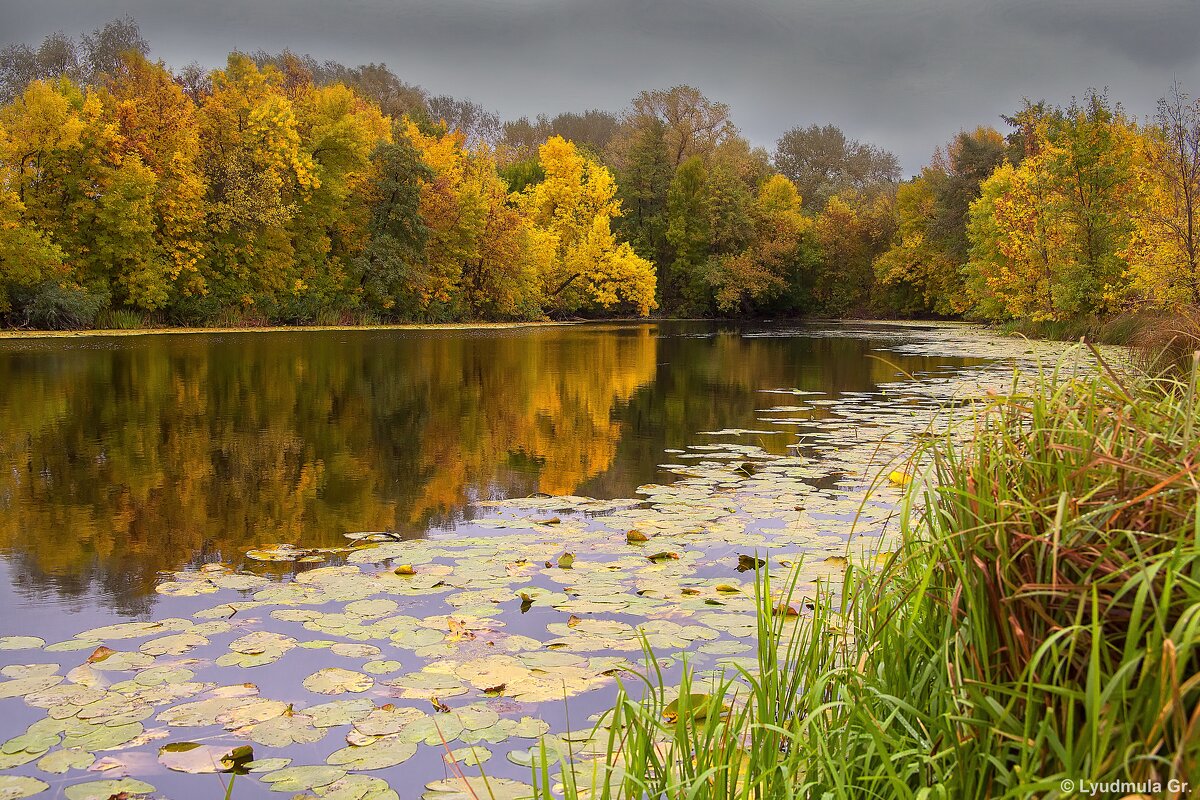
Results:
1036 634
456 651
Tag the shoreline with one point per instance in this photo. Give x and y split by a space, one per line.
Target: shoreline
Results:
466 326
410 326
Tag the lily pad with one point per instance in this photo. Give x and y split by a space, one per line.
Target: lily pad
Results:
379 754
339 712
298 779
61 761
104 790
357 787
14 787
335 680
21 643
198 759
471 756
473 788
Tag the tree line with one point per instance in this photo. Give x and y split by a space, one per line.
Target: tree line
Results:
282 189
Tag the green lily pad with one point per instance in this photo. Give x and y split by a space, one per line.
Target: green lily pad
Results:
286 730
381 667
24 686
14 787
104 790
232 712
298 779
28 670
61 761
175 644
339 712
348 650
387 720
380 754
123 630
473 788
101 737
35 743
335 680
357 787
122 661
372 609
426 684
471 756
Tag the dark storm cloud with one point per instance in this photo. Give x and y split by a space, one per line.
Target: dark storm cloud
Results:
905 74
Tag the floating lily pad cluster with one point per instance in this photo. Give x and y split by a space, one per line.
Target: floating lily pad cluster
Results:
451 648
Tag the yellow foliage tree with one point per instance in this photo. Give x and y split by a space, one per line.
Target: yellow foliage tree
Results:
573 209
482 253
1164 247
257 171
1020 245
1048 236
158 125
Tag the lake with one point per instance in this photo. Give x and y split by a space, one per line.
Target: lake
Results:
222 509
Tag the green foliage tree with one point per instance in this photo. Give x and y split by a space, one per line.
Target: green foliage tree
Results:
689 232
644 187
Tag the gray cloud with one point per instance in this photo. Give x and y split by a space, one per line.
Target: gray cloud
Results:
905 74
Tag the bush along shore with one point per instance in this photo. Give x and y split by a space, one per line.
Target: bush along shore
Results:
1037 634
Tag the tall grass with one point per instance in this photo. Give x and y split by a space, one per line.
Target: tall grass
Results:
1040 624
122 319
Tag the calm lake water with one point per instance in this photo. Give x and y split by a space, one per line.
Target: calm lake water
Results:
124 456
130 466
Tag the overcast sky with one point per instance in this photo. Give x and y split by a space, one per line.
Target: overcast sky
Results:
904 74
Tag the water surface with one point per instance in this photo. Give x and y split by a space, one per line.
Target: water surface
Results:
137 472
124 456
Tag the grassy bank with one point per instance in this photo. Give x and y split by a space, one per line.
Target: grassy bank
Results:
1161 337
1037 635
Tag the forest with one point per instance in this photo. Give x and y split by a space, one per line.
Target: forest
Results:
279 189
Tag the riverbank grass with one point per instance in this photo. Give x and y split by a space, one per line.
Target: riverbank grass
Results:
1037 634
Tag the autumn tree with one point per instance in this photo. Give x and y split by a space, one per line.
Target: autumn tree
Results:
338 132
573 209
36 285
1164 248
1020 248
851 232
1090 158
257 172
1048 235
760 267
919 273
822 161
692 124
483 257
158 125
922 269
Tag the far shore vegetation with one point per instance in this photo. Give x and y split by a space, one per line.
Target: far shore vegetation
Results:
283 190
